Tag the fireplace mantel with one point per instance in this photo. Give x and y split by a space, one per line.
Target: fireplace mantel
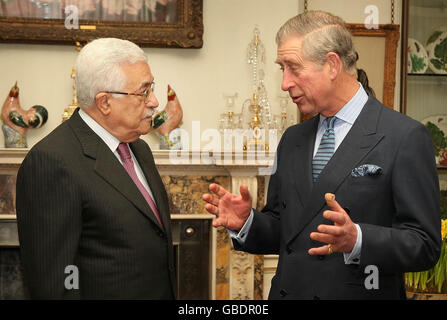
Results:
12 156
177 162
186 162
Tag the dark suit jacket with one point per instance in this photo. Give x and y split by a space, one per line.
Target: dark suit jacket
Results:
76 205
397 211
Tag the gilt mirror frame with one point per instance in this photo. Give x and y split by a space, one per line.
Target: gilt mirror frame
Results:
185 32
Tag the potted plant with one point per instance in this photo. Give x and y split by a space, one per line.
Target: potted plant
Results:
439 142
433 281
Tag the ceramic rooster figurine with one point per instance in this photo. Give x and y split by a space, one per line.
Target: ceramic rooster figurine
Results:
17 121
168 120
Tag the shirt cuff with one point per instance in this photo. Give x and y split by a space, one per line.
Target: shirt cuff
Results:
242 234
354 256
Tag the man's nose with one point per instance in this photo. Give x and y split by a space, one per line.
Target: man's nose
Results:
152 101
287 82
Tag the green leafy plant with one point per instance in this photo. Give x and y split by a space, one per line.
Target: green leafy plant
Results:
435 279
417 63
438 138
443 204
433 37
440 60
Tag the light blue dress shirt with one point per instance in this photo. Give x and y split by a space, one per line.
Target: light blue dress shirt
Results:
346 117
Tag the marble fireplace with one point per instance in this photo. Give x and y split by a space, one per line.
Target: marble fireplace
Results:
200 249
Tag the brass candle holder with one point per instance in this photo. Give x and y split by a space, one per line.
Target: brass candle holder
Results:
256 141
68 112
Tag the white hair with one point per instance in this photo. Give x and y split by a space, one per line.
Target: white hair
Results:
322 33
98 67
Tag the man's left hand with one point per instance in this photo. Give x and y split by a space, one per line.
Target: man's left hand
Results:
340 237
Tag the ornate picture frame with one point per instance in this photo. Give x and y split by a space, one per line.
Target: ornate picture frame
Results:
390 34
33 26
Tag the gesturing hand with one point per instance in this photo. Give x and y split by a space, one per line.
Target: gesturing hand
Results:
341 237
231 210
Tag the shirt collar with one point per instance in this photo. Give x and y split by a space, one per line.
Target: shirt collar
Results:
352 109
106 136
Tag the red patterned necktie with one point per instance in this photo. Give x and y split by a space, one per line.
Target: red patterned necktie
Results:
126 158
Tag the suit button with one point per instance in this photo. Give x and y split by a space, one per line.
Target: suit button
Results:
321 257
283 293
289 250
284 204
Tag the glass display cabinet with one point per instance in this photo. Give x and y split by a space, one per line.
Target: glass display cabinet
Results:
424 69
424 98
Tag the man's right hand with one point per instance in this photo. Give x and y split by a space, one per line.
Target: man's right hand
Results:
231 210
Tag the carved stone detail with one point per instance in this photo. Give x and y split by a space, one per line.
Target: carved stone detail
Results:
242 276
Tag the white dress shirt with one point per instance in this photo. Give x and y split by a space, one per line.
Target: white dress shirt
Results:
346 117
113 143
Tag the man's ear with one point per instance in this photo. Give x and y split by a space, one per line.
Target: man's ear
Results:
102 103
335 64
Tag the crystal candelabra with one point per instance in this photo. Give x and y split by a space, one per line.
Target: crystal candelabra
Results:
227 119
256 116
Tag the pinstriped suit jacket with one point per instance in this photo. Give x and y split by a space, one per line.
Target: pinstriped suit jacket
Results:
76 205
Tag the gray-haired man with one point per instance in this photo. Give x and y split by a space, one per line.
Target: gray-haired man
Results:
91 206
378 163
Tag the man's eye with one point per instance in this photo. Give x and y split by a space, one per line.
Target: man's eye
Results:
295 69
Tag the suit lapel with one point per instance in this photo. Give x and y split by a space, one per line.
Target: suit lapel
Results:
304 152
147 164
108 166
361 139
300 174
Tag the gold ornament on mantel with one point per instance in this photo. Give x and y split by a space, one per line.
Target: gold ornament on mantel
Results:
68 112
255 124
259 108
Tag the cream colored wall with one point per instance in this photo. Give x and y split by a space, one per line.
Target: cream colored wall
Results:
199 76
353 11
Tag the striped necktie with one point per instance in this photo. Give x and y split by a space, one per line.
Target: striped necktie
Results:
325 149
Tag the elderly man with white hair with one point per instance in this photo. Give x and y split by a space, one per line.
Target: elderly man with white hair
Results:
92 211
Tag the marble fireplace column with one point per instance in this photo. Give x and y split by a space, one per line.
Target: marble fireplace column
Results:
242 267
